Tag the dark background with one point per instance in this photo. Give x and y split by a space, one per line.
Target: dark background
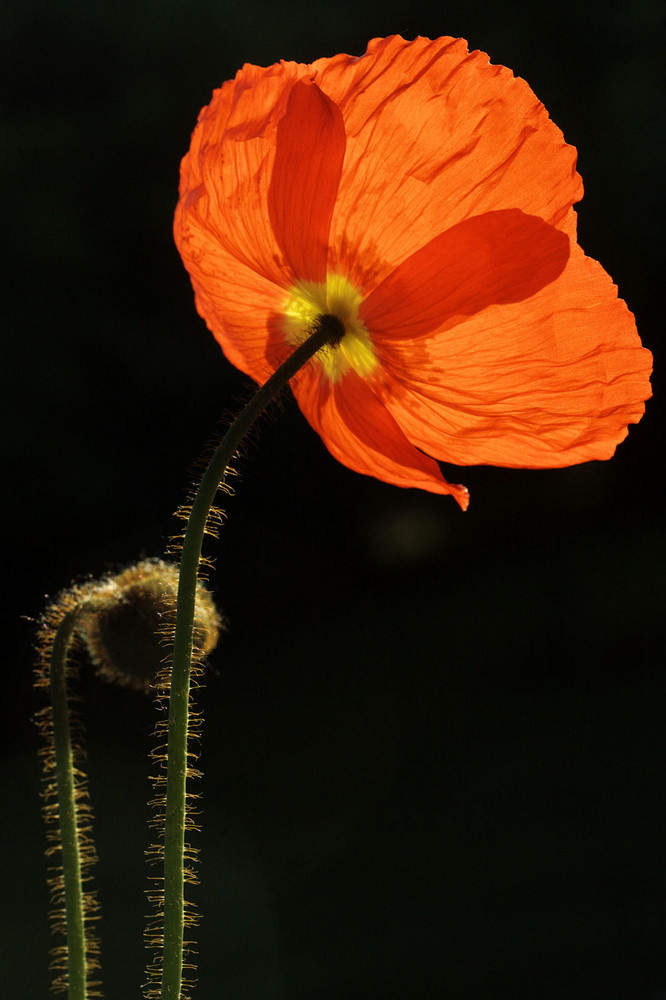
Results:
435 742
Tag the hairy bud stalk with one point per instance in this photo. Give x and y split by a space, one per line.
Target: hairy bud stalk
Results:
125 623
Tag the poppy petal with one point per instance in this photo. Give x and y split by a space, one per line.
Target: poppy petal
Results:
498 257
241 307
435 135
226 175
361 434
545 383
304 183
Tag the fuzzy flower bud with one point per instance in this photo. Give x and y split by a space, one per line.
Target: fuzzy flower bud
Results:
127 624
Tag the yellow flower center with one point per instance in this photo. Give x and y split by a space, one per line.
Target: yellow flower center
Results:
307 300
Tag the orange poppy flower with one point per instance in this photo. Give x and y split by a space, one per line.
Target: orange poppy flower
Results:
424 197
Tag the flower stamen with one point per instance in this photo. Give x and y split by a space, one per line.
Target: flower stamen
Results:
310 303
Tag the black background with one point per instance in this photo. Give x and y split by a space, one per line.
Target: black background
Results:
435 742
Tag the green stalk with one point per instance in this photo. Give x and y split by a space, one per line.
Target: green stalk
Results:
67 814
329 330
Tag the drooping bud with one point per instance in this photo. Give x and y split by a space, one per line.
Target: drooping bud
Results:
127 624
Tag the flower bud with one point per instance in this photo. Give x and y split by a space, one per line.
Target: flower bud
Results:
127 624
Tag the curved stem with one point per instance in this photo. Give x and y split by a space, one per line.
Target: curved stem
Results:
67 813
329 330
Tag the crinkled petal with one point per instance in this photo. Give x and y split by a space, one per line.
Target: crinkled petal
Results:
257 191
359 432
226 175
241 307
498 257
435 135
304 182
545 383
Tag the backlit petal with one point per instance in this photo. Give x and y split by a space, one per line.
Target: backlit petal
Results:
225 177
305 178
358 430
545 383
241 307
498 257
435 135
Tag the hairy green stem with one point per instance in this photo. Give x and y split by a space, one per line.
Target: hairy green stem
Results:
329 330
67 813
